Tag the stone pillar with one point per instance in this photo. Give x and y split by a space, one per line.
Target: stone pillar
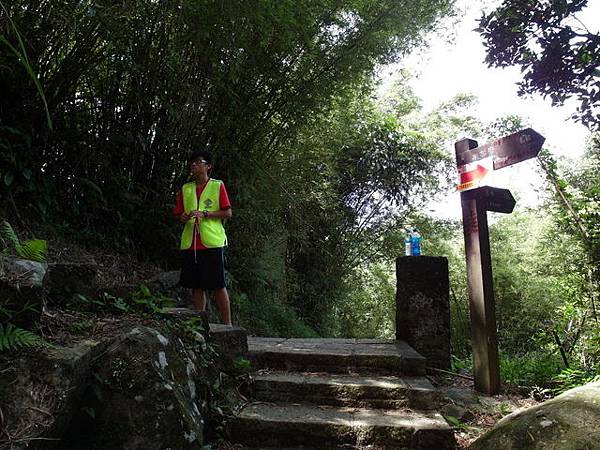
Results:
423 308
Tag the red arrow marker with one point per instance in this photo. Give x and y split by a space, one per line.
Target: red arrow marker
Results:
473 175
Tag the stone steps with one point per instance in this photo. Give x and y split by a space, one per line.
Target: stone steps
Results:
336 355
339 394
387 392
334 427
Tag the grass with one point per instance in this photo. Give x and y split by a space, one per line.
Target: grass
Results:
542 370
530 369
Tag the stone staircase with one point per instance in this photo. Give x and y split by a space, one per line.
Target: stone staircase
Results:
339 394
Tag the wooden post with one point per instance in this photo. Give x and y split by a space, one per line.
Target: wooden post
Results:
484 339
475 203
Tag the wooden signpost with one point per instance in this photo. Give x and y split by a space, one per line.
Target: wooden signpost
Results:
475 202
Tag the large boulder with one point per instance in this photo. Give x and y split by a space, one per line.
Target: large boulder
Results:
134 387
570 421
142 395
166 281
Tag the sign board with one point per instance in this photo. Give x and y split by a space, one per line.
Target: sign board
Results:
494 199
506 151
472 155
516 147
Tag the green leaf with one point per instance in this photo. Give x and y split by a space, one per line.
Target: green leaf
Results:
120 304
8 178
453 421
9 234
34 249
12 337
145 290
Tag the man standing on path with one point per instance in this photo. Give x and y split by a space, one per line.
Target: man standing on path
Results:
201 206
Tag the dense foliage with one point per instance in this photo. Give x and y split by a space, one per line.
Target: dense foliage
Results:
102 102
558 55
132 87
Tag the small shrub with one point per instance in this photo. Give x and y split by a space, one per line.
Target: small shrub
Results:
242 365
504 409
458 364
150 303
458 424
81 326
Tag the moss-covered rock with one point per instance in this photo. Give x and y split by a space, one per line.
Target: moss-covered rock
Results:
128 386
570 421
142 395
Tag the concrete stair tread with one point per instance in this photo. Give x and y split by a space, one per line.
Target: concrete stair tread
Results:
318 378
337 355
339 427
352 417
328 345
366 391
319 447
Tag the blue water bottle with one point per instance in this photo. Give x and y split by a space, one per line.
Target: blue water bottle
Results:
415 243
407 243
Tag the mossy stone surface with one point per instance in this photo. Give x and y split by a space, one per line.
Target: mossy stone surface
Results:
143 395
570 421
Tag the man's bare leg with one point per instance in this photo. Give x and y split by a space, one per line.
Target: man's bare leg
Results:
199 299
222 301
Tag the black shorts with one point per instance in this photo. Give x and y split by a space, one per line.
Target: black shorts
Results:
204 270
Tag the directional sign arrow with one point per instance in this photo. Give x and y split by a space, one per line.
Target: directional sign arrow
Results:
474 175
505 151
494 199
515 148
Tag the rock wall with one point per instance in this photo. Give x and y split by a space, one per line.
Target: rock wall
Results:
142 394
139 389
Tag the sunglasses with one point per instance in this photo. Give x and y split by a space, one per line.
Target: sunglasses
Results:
198 161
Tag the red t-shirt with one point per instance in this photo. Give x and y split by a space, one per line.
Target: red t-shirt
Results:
223 204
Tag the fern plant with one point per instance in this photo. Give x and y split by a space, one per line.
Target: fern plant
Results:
148 302
12 338
570 378
33 249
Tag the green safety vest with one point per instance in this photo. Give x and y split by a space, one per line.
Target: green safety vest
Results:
212 232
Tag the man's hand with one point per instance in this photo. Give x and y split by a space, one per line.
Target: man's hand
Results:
198 215
183 218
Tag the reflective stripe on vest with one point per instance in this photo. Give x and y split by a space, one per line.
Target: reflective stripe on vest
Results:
212 233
